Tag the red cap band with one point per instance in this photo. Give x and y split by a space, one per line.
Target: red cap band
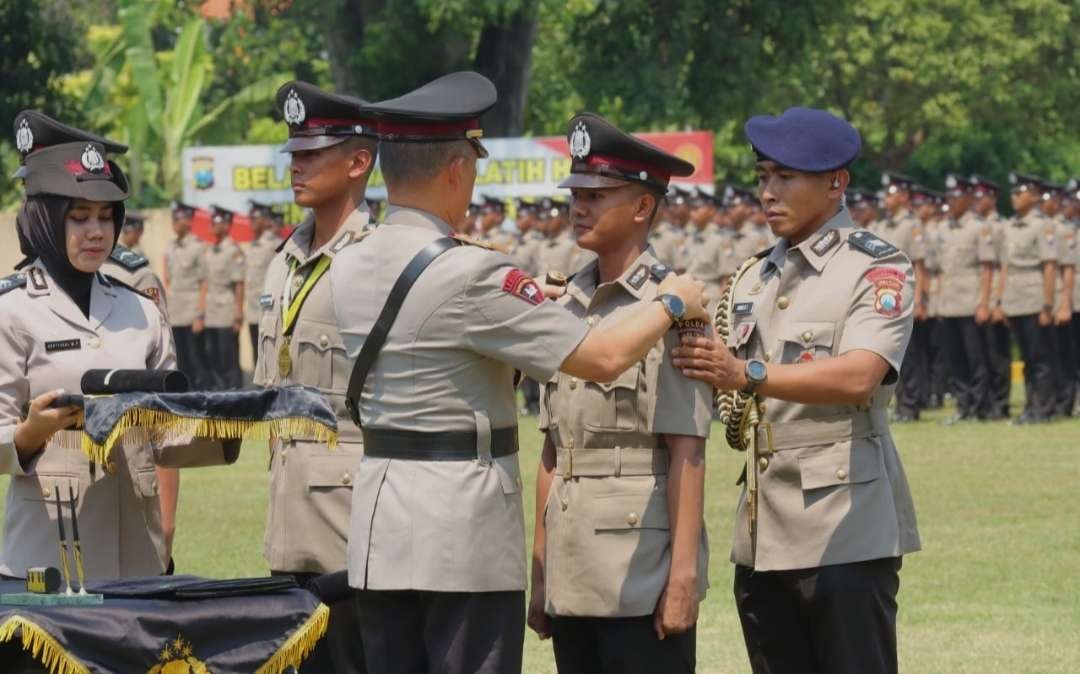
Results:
420 129
625 166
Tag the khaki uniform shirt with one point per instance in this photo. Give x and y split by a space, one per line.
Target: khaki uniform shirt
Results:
185 268
1075 245
224 269
964 245
932 263
310 486
905 233
666 240
561 253
751 240
503 241
608 544
1066 255
1030 242
257 256
447 365
710 255
47 343
132 268
832 490
525 253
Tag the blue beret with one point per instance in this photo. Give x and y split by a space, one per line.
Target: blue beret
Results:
804 139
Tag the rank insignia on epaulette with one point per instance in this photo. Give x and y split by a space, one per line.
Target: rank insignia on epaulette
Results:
17 280
871 244
826 242
637 279
37 278
128 259
659 271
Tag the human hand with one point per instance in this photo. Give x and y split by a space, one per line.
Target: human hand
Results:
711 362
689 290
537 620
33 432
677 610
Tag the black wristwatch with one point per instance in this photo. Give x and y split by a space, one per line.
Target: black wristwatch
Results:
757 373
673 305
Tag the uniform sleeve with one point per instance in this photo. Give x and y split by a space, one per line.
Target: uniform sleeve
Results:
162 354
880 315
507 319
1048 244
917 250
236 269
683 406
1066 246
14 391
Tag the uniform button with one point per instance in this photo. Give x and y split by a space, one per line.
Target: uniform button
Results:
324 341
346 479
93 342
763 462
631 519
807 336
591 320
45 492
767 358
782 302
841 474
573 382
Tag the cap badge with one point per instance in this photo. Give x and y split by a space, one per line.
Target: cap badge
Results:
294 109
580 142
92 160
24 137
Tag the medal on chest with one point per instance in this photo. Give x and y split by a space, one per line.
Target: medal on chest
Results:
284 360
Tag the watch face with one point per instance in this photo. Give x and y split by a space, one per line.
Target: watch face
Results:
755 369
676 305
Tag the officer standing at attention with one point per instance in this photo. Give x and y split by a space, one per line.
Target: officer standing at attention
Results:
620 557
1065 388
997 329
333 145
666 236
818 325
60 316
436 540
1072 217
704 247
185 271
221 303
966 257
530 238
126 262
257 255
752 233
902 229
1026 294
560 253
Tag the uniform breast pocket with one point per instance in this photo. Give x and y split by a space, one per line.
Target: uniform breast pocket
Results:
808 341
44 486
612 406
329 472
641 507
314 365
848 463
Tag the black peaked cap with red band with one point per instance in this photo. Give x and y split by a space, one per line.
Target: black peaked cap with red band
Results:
602 155
319 119
65 161
446 109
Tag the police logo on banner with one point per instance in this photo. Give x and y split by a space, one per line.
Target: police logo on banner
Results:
580 142
294 111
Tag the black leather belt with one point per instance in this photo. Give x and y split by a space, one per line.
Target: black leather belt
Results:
388 443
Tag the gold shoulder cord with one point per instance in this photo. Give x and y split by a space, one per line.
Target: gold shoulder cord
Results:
740 413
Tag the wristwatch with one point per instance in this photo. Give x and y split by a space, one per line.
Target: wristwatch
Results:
673 305
756 374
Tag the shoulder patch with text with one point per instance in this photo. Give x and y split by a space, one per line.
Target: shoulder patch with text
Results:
888 290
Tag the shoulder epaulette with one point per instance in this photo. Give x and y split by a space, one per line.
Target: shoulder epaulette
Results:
128 259
478 243
12 281
113 281
870 244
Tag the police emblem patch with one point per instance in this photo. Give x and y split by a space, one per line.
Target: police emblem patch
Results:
293 110
92 160
520 284
580 142
24 137
888 291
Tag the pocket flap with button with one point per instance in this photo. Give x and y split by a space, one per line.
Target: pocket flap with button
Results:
318 335
626 380
849 464
331 471
632 509
49 482
813 333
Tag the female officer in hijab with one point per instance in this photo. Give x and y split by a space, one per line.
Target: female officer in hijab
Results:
59 317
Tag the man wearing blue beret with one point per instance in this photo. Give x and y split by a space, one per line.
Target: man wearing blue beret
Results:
814 331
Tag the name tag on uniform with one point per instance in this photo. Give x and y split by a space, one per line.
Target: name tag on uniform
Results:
63 345
742 308
266 301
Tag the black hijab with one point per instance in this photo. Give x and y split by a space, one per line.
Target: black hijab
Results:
43 235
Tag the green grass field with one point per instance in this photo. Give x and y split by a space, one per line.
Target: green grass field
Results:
996 588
